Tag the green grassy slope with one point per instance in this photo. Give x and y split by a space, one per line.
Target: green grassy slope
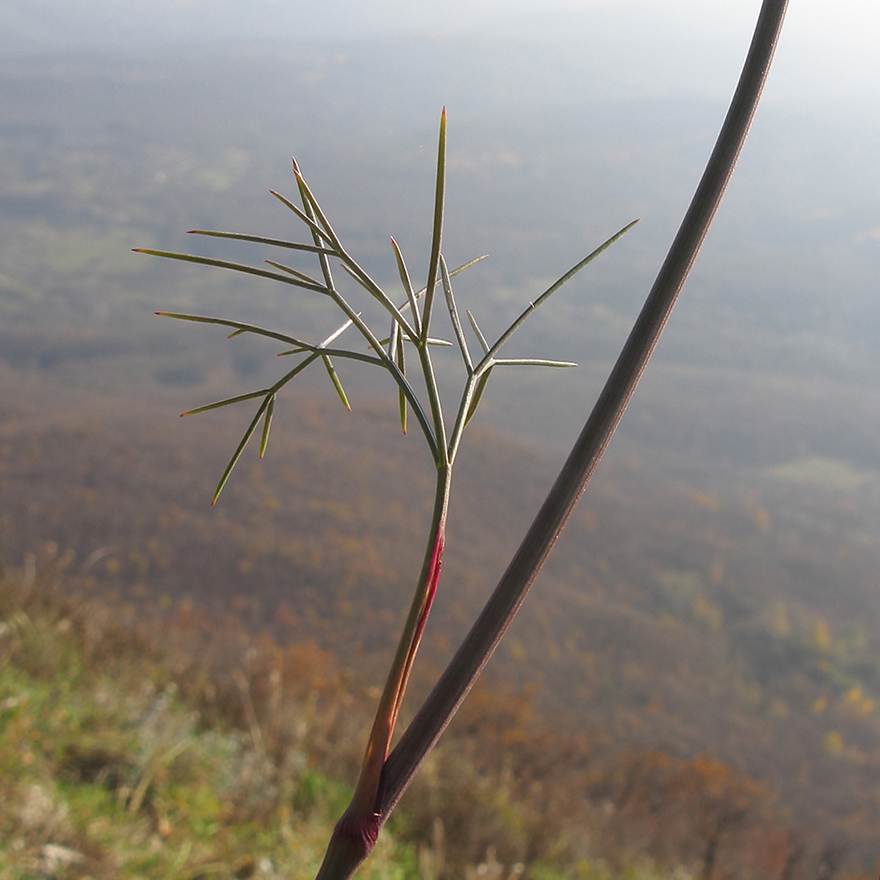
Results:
140 744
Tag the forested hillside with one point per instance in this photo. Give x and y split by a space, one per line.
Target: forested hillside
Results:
155 742
669 619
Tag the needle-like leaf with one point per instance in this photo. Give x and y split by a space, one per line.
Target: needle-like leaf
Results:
239 327
437 233
407 286
531 362
240 448
296 274
310 201
478 332
554 287
453 315
457 271
338 332
305 219
227 402
392 338
400 360
225 264
380 296
267 424
259 239
334 378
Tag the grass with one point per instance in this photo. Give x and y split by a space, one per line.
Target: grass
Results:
139 745
107 769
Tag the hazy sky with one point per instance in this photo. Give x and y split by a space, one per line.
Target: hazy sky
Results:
829 50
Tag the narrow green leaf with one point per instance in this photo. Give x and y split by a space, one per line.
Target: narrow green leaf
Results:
420 293
267 424
393 336
229 400
531 362
302 276
239 327
437 233
225 264
240 448
350 356
317 233
555 286
379 295
305 219
478 332
400 360
298 343
260 239
334 378
467 265
309 198
453 315
406 281
431 341
337 332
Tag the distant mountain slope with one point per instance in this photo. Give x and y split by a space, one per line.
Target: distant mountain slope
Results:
739 624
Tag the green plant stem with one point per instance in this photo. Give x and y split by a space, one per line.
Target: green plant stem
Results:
435 714
355 833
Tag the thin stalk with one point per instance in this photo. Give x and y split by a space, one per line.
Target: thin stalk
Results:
355 833
435 714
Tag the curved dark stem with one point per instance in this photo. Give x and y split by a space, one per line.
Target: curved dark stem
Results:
426 728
